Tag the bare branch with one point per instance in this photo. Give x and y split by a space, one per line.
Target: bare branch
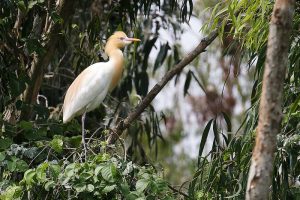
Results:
18 22
178 191
270 111
124 124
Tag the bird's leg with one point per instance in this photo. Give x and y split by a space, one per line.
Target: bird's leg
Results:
83 135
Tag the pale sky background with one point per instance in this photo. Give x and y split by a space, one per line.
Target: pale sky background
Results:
165 99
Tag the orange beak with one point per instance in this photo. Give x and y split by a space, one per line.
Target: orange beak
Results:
132 39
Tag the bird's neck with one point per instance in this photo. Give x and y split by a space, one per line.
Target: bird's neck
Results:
117 60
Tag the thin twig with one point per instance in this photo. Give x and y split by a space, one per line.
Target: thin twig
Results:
93 135
38 155
122 142
178 191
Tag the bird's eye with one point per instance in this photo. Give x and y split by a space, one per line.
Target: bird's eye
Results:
121 38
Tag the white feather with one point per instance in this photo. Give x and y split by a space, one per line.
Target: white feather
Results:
93 87
89 89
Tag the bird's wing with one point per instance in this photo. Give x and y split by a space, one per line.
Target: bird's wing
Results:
93 81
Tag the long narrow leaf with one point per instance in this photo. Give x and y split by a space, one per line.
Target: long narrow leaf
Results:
203 140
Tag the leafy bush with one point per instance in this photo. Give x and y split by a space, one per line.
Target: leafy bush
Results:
101 177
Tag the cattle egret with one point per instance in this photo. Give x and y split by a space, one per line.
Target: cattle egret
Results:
91 86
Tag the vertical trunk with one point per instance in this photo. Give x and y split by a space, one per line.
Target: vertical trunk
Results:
64 8
260 174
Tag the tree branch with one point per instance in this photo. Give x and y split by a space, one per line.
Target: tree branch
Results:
270 111
124 124
18 22
178 191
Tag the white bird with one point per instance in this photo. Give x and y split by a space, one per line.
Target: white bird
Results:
91 86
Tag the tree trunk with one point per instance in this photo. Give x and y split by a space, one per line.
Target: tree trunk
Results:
64 8
260 174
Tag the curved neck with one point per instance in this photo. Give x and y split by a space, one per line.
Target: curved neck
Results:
115 55
117 60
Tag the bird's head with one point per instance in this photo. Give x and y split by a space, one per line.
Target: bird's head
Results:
119 40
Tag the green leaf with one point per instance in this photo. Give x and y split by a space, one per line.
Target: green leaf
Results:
41 171
55 170
34 46
141 198
50 184
85 176
26 125
203 140
146 50
65 181
56 18
2 156
229 127
41 132
31 4
141 83
12 192
125 189
108 188
108 172
216 132
29 177
228 122
21 166
187 82
11 166
141 185
98 169
75 141
75 26
161 185
5 143
161 56
70 170
80 187
90 188
191 9
176 55
132 195
57 145
198 82
128 169
17 86
21 6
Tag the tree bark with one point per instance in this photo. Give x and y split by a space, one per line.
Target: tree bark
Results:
65 9
124 124
270 112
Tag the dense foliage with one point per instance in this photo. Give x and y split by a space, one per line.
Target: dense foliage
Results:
38 152
41 158
224 172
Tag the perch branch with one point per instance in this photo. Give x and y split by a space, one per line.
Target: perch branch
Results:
124 124
178 191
